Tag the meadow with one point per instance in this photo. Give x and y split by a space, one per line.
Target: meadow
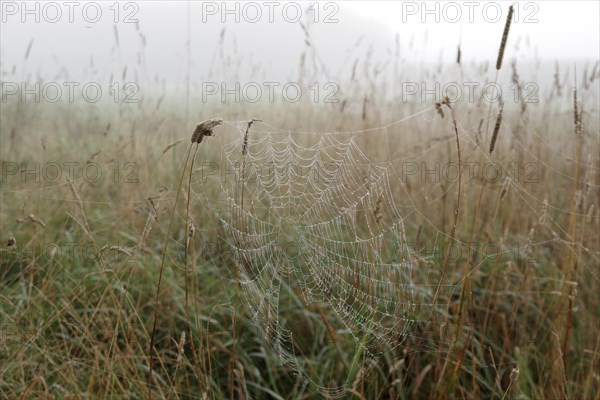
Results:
376 247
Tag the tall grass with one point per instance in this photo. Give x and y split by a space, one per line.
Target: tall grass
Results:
117 288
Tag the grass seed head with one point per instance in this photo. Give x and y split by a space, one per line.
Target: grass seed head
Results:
205 128
246 134
497 127
504 38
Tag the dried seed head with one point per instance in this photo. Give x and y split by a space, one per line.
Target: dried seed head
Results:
497 127
444 102
504 38
577 114
205 128
11 242
438 107
377 211
557 84
245 145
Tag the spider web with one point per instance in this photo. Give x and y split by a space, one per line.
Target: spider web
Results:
323 215
313 211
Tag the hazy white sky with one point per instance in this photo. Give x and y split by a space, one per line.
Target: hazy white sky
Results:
550 30
559 29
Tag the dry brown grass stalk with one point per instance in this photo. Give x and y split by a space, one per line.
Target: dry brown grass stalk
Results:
505 188
31 218
171 145
118 249
205 128
80 205
478 138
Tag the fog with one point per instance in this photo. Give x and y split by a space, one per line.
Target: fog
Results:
262 40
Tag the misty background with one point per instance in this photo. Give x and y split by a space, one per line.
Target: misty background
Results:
175 42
